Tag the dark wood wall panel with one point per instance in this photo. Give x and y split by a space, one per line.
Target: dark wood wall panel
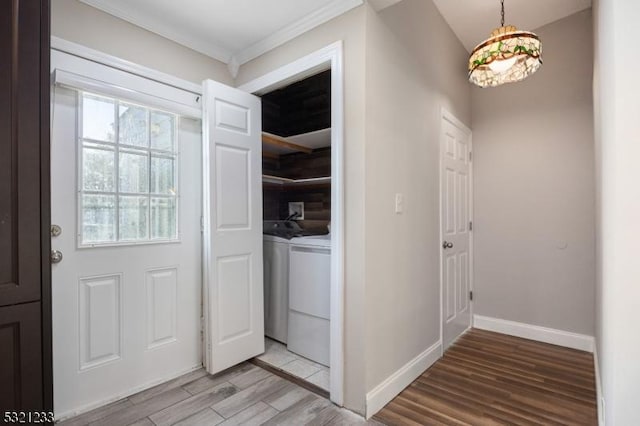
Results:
302 107
316 197
299 165
7 215
26 381
317 205
20 151
21 383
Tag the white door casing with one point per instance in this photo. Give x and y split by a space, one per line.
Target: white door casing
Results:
328 57
125 317
233 275
455 222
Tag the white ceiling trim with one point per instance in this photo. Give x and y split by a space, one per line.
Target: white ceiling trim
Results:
234 59
288 33
166 31
379 5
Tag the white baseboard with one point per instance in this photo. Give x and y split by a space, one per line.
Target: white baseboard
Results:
599 395
382 394
567 339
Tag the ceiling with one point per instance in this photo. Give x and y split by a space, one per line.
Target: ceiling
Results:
236 31
473 20
233 32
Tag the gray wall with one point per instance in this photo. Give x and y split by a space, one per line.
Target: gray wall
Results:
415 66
534 188
394 92
617 102
75 21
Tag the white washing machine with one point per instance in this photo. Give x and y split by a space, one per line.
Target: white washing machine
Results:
276 287
309 297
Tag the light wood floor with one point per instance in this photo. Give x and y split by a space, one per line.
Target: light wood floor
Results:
243 395
491 379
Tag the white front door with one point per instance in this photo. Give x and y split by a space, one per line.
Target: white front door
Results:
233 305
455 196
126 194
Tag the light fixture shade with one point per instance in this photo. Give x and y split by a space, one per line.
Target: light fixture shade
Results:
507 56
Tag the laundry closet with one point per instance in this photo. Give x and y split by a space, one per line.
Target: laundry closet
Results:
296 144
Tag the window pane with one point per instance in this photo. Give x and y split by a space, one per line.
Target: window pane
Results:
163 218
134 172
98 218
162 131
98 116
134 217
98 169
132 125
162 175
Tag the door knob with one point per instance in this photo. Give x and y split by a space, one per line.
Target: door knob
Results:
56 256
447 245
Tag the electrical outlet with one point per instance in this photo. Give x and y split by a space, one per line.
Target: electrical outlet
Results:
399 203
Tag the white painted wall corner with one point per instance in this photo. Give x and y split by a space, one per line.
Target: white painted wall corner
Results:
382 394
567 339
599 395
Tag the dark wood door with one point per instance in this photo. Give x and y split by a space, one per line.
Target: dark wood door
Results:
21 381
25 284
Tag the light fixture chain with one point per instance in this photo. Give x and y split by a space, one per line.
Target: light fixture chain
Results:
502 22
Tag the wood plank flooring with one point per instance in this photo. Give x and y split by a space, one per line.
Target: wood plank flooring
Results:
492 379
484 379
243 395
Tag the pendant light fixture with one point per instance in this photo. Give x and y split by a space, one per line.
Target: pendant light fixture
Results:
507 56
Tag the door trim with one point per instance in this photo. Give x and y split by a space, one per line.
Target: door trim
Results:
329 57
448 116
99 57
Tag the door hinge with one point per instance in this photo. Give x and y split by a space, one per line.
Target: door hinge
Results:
201 223
470 156
470 226
471 295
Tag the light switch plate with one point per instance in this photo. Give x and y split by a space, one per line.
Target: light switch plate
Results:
399 203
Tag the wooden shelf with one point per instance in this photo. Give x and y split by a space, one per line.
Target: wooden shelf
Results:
280 143
285 181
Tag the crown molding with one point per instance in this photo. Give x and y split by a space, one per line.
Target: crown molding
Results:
233 67
288 33
379 5
166 31
233 61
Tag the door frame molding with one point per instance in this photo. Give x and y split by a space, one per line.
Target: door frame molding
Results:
329 57
102 58
448 116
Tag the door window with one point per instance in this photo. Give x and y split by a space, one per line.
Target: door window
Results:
128 180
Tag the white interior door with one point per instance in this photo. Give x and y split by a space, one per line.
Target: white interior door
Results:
126 194
233 306
455 193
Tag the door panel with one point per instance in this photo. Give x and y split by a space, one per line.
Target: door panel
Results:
20 70
126 315
100 320
162 296
20 363
234 307
455 195
234 203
